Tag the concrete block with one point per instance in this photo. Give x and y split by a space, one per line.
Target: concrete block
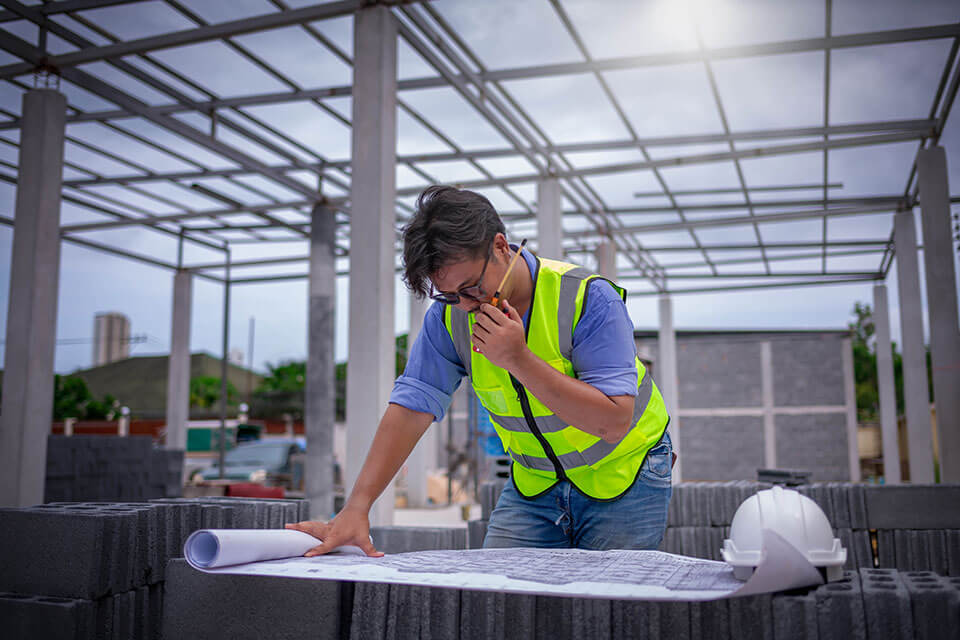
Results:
591 618
935 603
670 620
440 614
858 507
671 541
751 617
553 618
688 541
403 619
710 620
794 615
840 501
807 371
630 618
124 611
27 617
953 552
397 539
886 549
54 552
814 442
913 506
840 613
371 603
476 532
936 543
201 605
862 549
719 373
488 614
886 604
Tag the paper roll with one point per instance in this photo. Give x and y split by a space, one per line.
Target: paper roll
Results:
212 548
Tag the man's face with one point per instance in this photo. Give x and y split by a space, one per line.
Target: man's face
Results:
469 278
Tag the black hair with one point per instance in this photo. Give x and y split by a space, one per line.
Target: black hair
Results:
449 225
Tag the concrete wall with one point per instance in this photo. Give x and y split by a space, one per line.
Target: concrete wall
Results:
740 410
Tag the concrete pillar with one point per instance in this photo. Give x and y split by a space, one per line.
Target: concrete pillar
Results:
916 391
607 260
886 389
666 376
423 459
850 402
938 258
32 313
178 366
320 406
370 371
549 219
766 392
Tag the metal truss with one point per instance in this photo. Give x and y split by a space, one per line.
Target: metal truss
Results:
310 178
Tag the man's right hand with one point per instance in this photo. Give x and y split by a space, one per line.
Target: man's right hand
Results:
348 527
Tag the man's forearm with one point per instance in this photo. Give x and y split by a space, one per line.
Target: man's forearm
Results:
397 435
578 403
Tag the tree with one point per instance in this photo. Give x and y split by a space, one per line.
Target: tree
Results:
286 376
72 399
205 392
865 366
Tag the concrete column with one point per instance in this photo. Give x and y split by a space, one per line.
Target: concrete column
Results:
666 376
850 401
320 406
885 387
938 258
915 388
769 421
549 219
370 371
32 313
178 365
423 459
607 260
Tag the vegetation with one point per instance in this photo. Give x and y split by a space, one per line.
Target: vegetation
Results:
205 392
865 366
72 399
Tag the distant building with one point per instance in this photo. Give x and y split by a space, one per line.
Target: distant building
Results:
141 382
111 338
236 356
762 399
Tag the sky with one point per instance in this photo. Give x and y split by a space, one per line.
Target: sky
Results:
889 82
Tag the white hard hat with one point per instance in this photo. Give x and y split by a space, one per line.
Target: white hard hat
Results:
795 518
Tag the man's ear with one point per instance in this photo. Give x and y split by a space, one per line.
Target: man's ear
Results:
500 246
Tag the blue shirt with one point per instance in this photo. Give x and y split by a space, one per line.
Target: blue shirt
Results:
603 352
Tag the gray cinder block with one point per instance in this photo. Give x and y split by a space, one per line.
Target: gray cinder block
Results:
913 506
553 618
670 620
54 552
751 617
369 611
710 619
886 549
591 618
27 617
630 618
203 605
405 602
397 539
794 615
935 603
840 613
440 614
476 532
886 604
489 614
953 552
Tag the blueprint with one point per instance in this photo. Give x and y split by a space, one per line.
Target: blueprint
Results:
648 575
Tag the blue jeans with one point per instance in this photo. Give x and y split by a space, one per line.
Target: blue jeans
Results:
564 518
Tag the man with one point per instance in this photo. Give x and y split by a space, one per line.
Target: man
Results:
556 367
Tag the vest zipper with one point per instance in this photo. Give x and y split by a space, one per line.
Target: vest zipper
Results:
532 424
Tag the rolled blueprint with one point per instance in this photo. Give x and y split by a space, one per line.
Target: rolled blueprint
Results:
212 548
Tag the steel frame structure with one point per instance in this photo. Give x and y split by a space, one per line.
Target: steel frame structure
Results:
458 67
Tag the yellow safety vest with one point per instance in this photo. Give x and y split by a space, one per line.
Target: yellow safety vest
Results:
544 448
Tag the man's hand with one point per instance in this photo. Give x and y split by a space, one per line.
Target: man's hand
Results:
348 527
500 336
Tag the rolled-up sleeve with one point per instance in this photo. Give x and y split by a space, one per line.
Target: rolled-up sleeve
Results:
433 370
603 344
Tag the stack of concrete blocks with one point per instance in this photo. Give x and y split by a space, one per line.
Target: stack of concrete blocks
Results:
917 527
867 603
397 539
488 493
97 569
82 468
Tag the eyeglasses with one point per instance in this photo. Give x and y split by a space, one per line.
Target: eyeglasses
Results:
474 292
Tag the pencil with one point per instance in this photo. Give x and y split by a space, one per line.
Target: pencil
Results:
495 301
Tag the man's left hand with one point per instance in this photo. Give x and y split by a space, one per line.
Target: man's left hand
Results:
499 335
